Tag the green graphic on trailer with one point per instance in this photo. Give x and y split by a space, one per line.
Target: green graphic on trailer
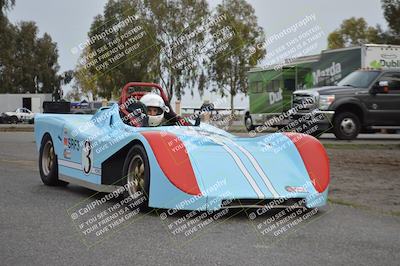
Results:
375 64
270 90
265 91
335 65
309 80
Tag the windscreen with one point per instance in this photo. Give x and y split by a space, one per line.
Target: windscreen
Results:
359 79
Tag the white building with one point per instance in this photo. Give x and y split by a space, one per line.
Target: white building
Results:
32 101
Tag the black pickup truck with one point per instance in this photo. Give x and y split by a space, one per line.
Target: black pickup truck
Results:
362 101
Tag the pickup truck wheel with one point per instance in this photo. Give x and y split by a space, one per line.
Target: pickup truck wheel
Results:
48 166
136 172
248 122
346 126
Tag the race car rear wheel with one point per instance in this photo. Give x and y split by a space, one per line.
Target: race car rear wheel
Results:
136 171
48 166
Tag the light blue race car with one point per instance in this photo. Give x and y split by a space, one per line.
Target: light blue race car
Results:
180 165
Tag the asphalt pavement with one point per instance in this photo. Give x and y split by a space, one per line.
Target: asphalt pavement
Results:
36 229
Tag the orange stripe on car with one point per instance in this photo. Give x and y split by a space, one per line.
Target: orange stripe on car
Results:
314 157
172 157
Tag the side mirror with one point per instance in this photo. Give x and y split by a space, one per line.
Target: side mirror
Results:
381 87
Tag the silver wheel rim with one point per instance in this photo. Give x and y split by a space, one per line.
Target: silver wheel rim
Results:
48 157
248 122
348 126
135 176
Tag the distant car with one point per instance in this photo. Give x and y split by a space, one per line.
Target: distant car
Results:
85 108
19 115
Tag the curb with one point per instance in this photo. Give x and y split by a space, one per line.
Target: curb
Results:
16 129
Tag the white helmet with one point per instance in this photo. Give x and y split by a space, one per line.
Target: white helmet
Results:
154 100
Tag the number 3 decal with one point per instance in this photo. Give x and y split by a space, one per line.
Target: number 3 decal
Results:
87 158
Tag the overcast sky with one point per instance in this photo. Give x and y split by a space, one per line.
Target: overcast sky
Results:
68 21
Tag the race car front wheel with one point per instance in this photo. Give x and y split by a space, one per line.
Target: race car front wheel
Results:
48 166
136 171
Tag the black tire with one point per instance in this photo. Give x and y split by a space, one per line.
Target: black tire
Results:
136 154
13 120
48 166
248 123
31 121
346 125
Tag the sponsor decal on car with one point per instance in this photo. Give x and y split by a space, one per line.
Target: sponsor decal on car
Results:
296 189
67 153
71 143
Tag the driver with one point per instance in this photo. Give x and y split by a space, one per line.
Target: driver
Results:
155 108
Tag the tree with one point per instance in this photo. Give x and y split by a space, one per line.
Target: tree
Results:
356 31
47 66
6 5
7 33
73 95
353 32
28 63
7 52
238 33
25 67
335 40
164 50
391 11
180 32
35 61
84 81
106 78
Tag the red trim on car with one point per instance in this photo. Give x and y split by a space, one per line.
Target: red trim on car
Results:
172 157
314 157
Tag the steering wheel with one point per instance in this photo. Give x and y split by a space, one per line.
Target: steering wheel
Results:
135 113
